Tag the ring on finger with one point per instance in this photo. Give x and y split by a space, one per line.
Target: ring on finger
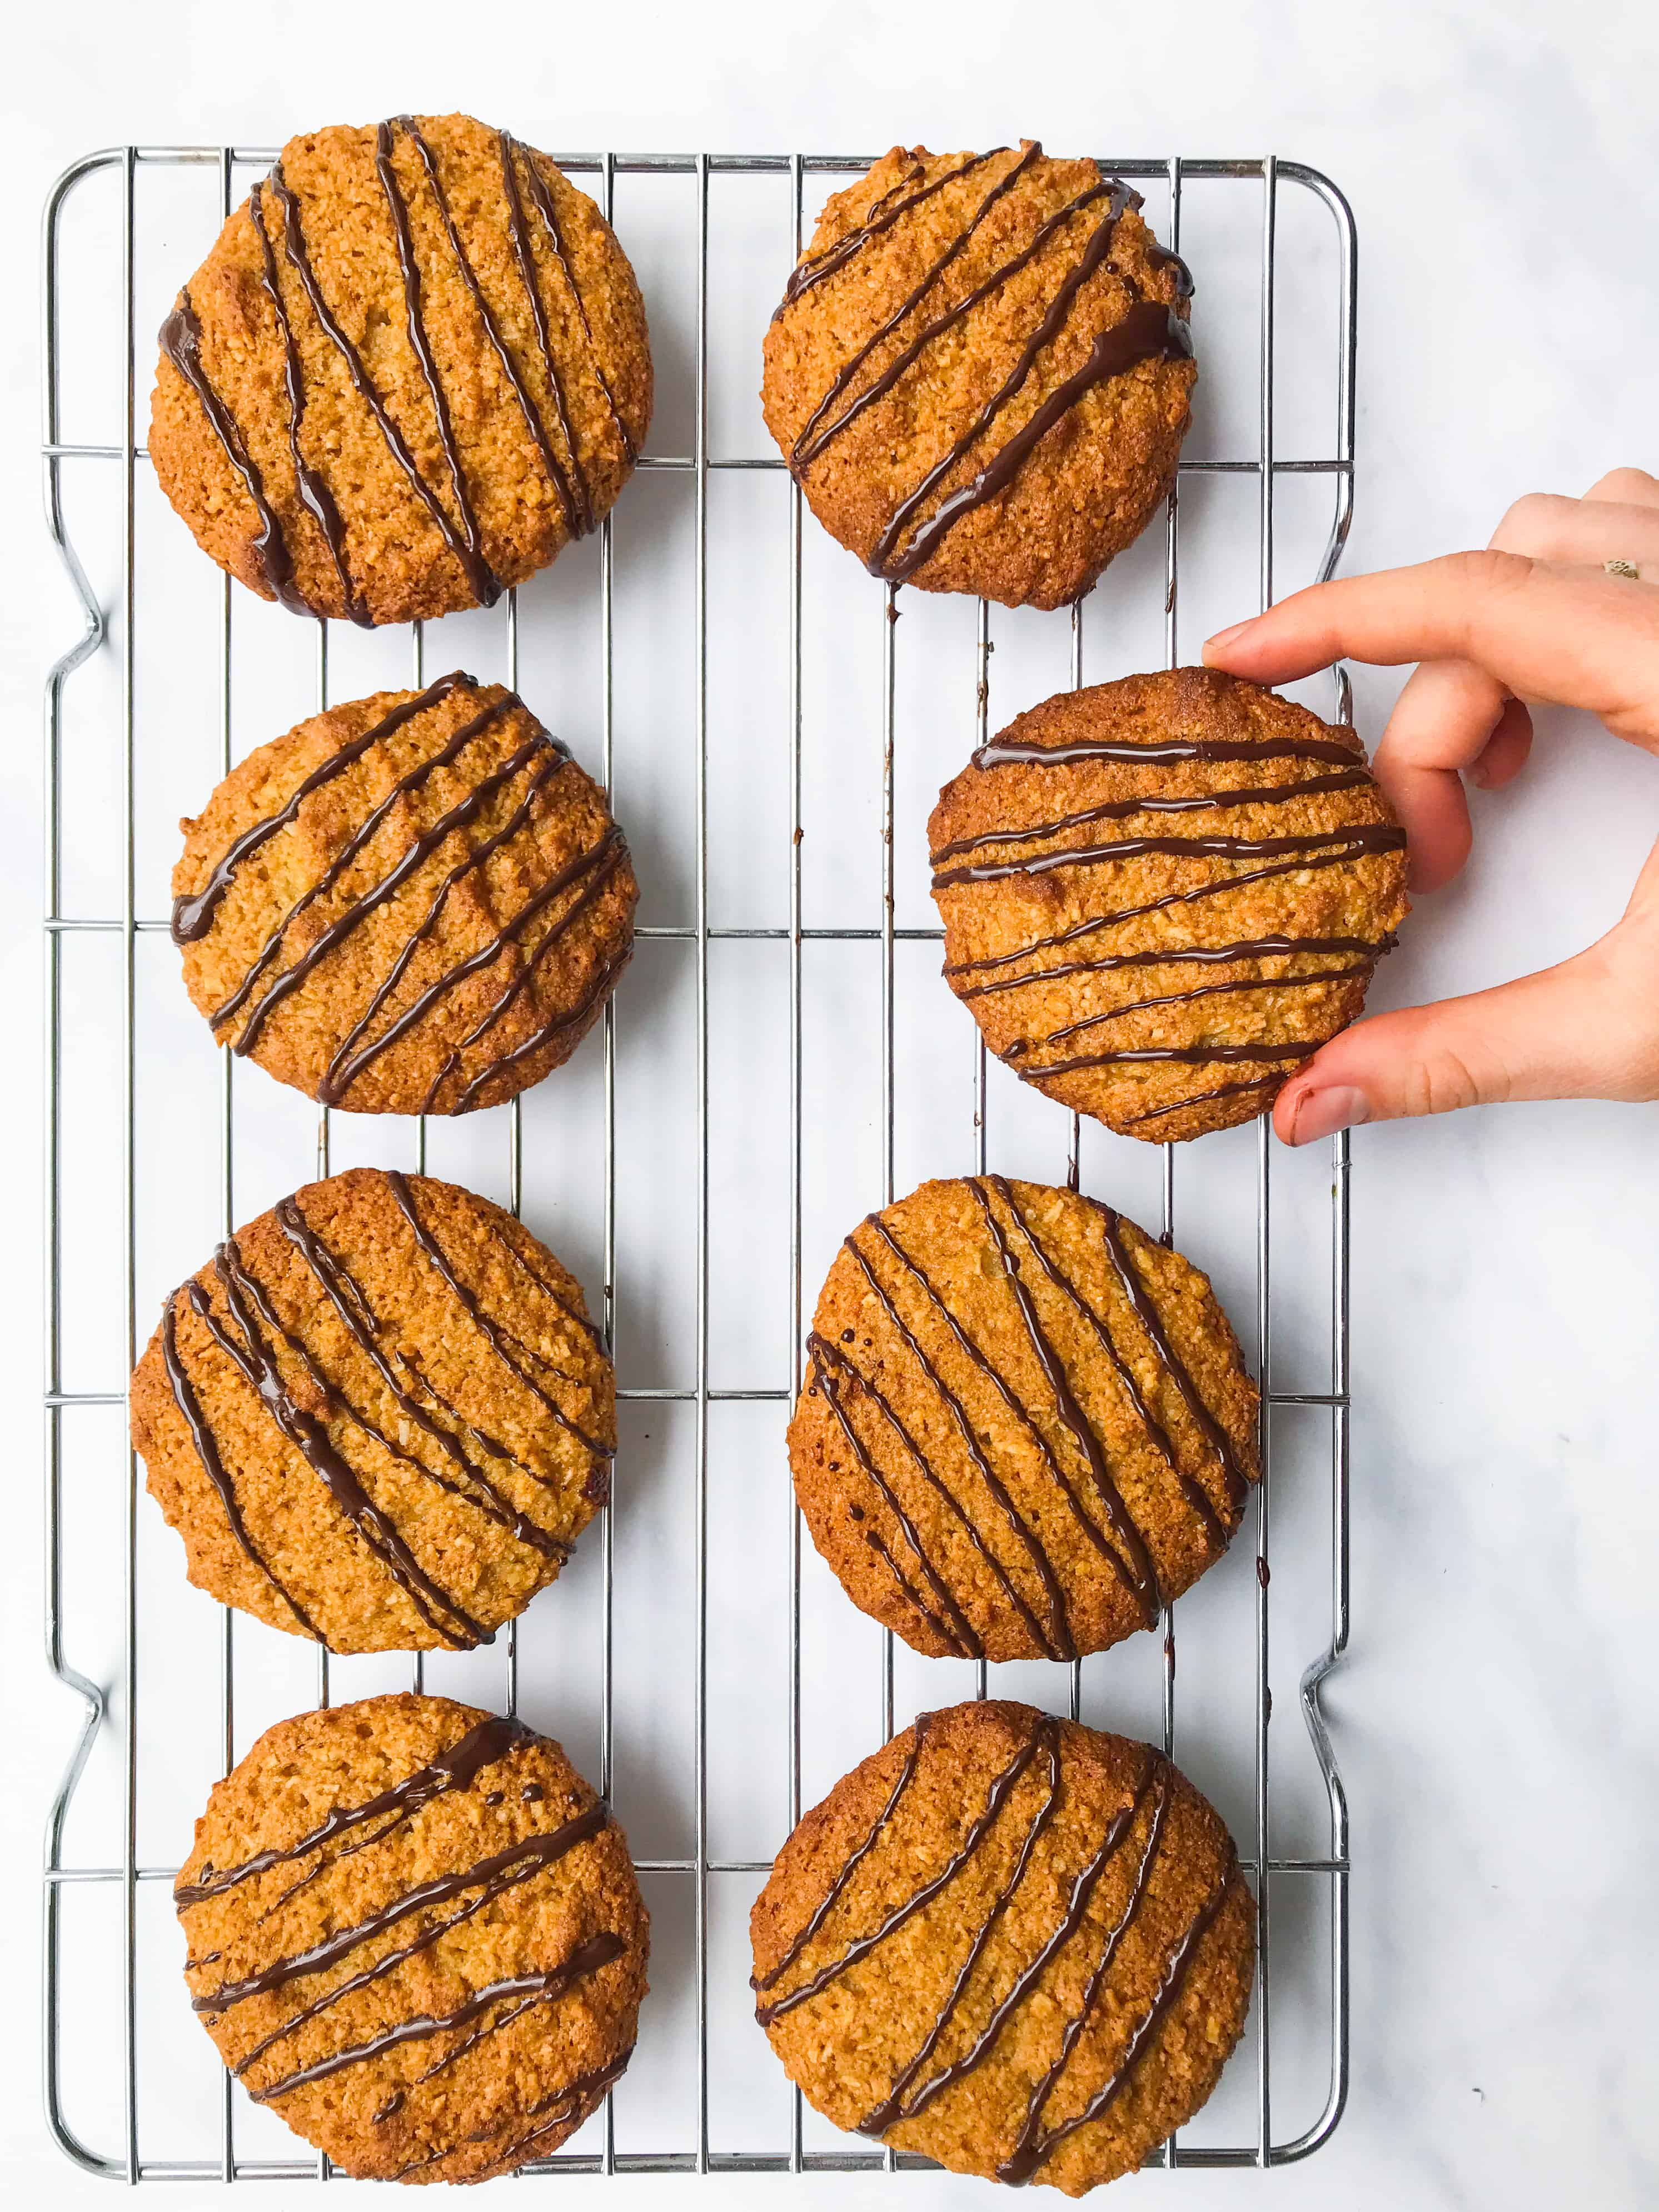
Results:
1625 568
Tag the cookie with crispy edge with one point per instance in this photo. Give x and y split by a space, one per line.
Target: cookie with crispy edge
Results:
412 368
411 903
1011 1943
416 1934
1025 1426
379 1416
1162 896
981 372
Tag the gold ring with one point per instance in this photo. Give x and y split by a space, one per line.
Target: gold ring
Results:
1623 569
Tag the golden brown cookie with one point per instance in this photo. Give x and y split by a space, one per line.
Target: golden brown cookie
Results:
380 1415
1162 896
415 1932
1018 1945
981 372
412 368
1025 1426
415 903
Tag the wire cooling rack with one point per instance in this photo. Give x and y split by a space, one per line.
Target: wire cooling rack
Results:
853 968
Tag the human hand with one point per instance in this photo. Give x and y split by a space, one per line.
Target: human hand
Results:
1538 616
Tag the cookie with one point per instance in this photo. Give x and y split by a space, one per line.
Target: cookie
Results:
415 903
379 1416
1025 1426
415 1932
1162 896
1018 1945
413 367
981 372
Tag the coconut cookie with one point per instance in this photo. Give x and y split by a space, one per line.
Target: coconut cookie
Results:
1025 1426
981 372
379 1416
1015 1945
1162 896
415 1932
413 903
413 367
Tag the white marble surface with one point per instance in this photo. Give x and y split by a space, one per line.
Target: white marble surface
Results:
1496 1718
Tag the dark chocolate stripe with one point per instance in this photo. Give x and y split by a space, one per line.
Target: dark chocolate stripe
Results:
490 1876
310 1438
813 439
543 199
193 916
1146 1313
1000 1789
486 587
1133 1561
812 269
826 1357
1346 850
1022 2161
1071 1921
414 857
314 492
1119 810
826 1904
1055 1639
577 514
1019 2168
1362 836
892 2107
213 1465
1003 752
1191 1490
586 1958
473 1308
457 1768
1252 948
180 340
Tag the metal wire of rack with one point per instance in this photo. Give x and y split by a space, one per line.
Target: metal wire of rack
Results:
132 2163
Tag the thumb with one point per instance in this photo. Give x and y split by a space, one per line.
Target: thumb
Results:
1584 1029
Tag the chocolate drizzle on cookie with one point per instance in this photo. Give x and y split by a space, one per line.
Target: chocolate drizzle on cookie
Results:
313 490
241 1319
1148 330
457 1768
918 2083
451 505
955 865
180 341
887 1451
383 1023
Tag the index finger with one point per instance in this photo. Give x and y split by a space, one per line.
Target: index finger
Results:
1543 631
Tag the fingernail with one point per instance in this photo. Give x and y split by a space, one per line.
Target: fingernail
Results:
1322 1112
1224 638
